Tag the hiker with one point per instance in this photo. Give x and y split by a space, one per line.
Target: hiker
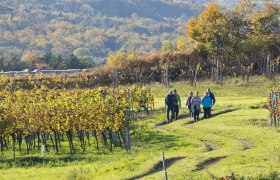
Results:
170 101
195 105
177 105
206 103
213 100
188 103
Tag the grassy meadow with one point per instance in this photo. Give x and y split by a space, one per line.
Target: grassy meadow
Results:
236 139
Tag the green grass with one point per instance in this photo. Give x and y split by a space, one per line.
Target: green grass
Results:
243 142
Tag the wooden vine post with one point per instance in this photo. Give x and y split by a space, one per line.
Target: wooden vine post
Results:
164 166
127 133
274 105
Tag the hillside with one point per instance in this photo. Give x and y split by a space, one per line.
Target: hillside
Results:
89 29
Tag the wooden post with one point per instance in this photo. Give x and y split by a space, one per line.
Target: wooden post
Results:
166 73
212 69
130 100
217 71
273 109
267 66
43 151
115 77
11 83
276 107
128 144
277 119
221 74
164 167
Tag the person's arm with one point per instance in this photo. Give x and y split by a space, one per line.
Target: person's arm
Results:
179 100
214 99
175 100
188 101
191 101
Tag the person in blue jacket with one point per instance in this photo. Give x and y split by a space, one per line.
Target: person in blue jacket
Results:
170 102
207 104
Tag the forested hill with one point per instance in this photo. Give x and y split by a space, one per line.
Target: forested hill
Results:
90 28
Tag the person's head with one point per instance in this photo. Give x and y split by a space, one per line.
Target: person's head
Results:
191 93
206 93
175 91
170 92
196 93
208 90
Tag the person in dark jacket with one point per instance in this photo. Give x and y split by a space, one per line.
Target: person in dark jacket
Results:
206 103
177 105
170 102
188 103
213 100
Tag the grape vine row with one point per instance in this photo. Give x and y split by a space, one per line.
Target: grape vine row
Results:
51 117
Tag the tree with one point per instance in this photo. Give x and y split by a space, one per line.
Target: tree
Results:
265 37
116 58
72 62
168 46
82 52
182 43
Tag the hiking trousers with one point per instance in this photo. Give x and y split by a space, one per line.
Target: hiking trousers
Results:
168 110
207 113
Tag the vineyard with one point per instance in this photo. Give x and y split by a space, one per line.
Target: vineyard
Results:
52 117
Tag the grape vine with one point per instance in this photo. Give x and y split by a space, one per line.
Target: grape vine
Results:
51 117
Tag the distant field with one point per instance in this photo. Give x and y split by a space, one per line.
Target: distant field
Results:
237 139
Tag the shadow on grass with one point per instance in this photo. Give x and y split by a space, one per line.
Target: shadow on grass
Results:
163 123
159 167
188 123
35 161
224 112
184 116
147 139
207 163
152 138
210 146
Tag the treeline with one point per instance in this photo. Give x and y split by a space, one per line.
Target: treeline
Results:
164 67
243 39
48 61
220 42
